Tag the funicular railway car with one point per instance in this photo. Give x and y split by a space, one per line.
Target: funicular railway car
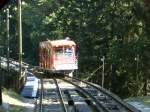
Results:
58 56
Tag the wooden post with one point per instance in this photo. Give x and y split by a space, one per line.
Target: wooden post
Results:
20 36
8 16
0 82
0 89
103 72
0 94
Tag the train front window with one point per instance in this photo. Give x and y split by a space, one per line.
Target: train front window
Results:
68 51
59 51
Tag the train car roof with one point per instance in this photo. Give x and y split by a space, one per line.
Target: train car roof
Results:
56 43
45 44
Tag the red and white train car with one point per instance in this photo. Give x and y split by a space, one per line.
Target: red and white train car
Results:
58 55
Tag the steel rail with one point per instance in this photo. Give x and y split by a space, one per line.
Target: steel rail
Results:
108 93
60 95
99 106
41 96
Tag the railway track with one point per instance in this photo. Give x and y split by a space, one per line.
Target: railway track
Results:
54 98
73 95
61 96
106 100
76 102
50 98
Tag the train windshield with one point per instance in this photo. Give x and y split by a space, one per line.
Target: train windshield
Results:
66 51
59 51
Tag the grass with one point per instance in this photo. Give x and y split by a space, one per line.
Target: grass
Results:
15 102
12 94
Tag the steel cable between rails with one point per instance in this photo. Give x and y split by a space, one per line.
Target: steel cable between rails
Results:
99 106
113 96
60 95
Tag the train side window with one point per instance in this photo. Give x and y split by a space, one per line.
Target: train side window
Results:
48 51
44 53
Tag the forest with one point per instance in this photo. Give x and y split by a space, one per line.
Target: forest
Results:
116 29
